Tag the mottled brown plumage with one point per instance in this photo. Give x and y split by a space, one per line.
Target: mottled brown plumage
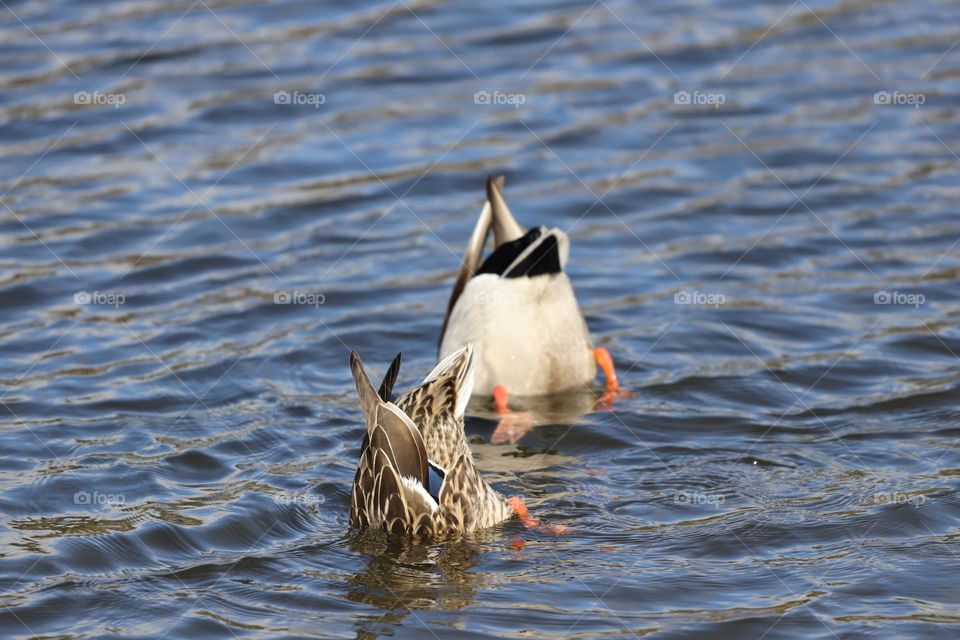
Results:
390 488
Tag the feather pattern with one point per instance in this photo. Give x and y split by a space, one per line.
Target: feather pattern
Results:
391 487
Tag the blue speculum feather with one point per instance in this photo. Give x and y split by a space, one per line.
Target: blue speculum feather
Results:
435 476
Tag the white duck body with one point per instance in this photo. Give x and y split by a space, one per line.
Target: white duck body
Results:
528 334
518 308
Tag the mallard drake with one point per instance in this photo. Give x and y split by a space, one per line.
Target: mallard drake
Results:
416 474
518 309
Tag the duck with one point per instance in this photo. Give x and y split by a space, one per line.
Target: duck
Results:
518 309
416 475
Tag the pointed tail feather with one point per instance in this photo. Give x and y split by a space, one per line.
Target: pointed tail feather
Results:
369 400
505 226
390 379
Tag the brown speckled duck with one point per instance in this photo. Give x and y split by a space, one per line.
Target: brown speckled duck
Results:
416 473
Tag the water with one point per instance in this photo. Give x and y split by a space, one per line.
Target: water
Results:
175 458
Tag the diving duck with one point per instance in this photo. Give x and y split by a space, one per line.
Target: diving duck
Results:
518 309
416 474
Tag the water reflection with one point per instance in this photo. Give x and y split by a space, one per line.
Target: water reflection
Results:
403 574
528 413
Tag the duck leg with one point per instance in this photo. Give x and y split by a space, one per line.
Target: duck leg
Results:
513 425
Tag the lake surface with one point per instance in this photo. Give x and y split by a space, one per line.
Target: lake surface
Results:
765 243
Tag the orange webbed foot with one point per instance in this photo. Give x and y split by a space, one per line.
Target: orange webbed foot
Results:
520 508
